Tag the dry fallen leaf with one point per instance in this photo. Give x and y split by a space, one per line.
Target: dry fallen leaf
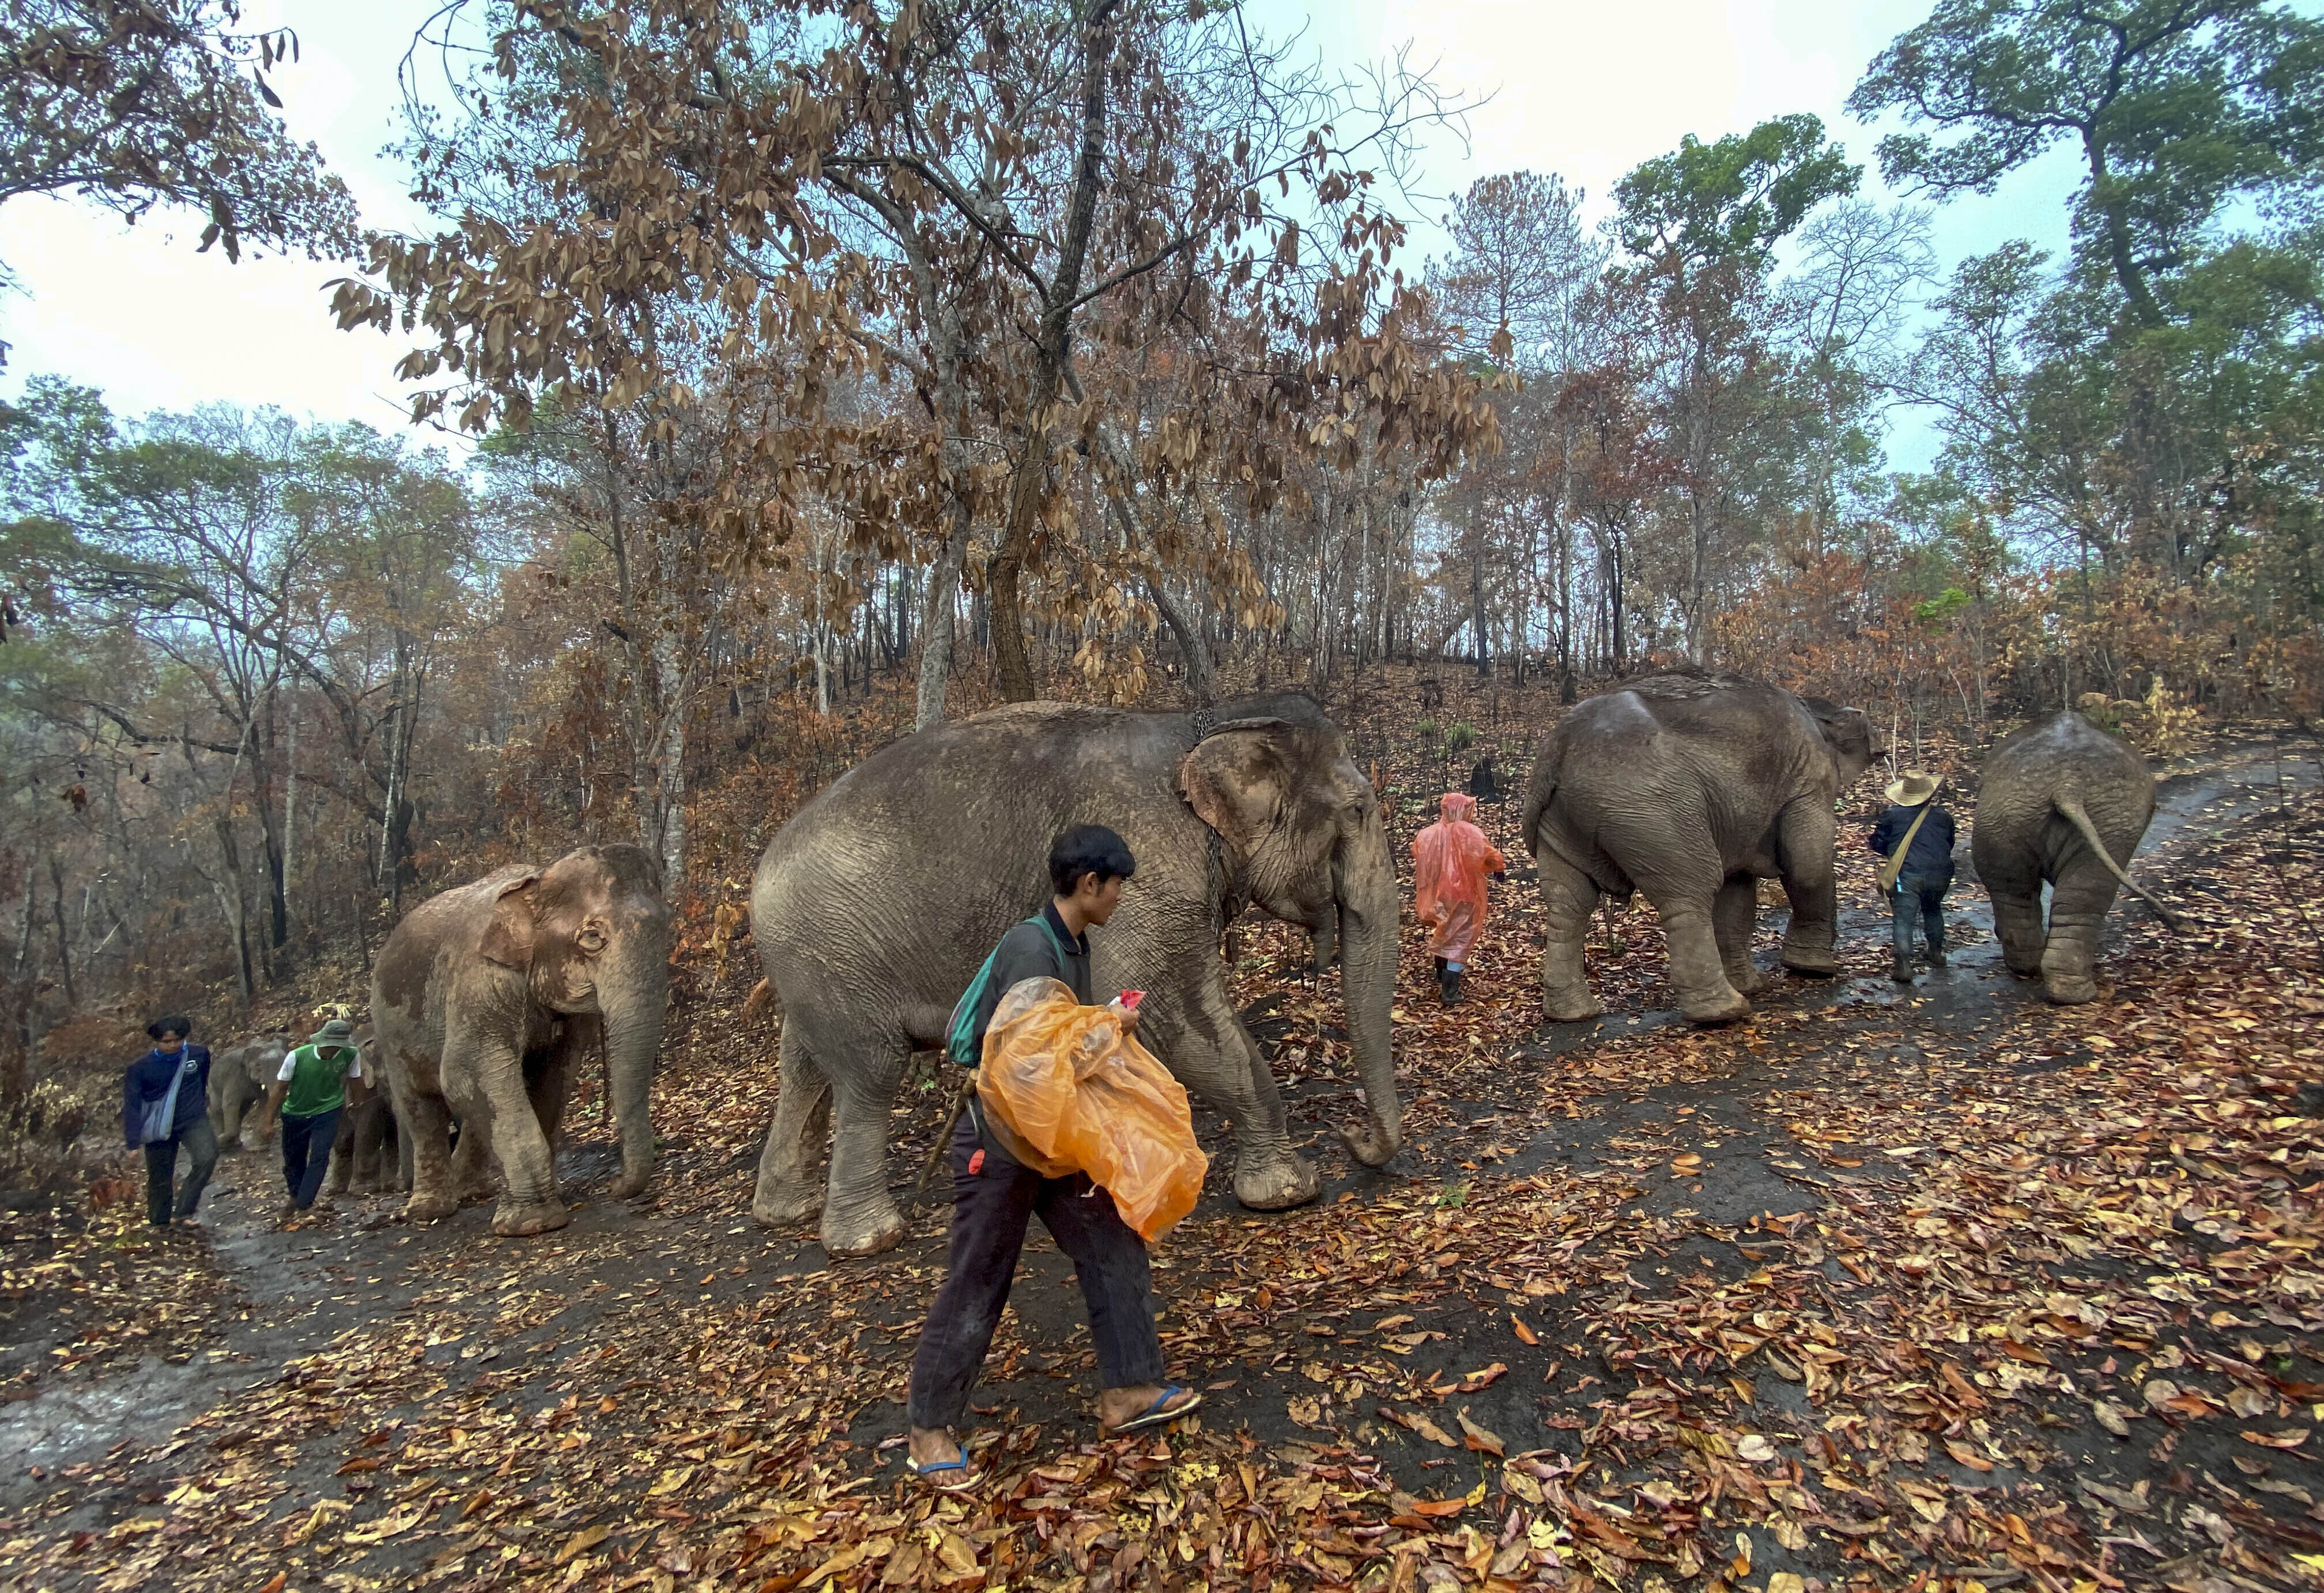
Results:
1755 1448
1481 1439
2290 1438
1967 1456
2112 1417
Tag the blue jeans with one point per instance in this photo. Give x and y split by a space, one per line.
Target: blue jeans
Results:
989 1212
1922 896
307 1154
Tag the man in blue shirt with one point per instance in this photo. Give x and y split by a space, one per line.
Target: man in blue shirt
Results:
1924 831
146 1087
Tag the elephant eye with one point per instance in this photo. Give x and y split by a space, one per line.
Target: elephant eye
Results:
592 939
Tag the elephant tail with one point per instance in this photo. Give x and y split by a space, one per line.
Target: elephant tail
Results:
1538 800
759 1001
2079 816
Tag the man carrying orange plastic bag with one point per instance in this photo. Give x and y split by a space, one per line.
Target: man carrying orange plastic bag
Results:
1451 859
993 1195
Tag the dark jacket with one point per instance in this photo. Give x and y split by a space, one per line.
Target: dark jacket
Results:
147 1080
1024 953
1932 857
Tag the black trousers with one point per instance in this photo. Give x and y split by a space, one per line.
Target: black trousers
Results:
989 1212
307 1154
200 1141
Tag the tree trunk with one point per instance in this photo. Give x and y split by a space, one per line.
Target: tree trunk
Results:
64 946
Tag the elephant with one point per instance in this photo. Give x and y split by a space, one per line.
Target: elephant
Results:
368 1135
239 1079
874 906
2057 803
1691 786
486 997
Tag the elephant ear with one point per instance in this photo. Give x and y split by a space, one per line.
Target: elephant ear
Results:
509 932
1237 782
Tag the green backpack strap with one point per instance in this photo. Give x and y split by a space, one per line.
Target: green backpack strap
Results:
960 1029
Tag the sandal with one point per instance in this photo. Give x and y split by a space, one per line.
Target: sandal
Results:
1160 1413
935 1470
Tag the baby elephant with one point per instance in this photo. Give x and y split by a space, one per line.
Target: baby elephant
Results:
484 997
2060 801
239 1079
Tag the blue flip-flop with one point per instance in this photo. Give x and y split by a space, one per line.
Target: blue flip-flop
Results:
933 1474
1155 1414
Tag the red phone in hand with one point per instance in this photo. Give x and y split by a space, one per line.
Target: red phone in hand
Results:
1131 998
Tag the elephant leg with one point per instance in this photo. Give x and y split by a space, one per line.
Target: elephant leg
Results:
434 1195
1696 971
2078 903
1209 1049
1806 834
509 1128
2017 924
859 1215
1734 913
790 1168
342 1149
471 1168
552 1087
1568 897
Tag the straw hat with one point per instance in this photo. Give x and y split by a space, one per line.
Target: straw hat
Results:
1912 788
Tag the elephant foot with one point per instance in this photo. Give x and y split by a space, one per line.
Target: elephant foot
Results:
1715 1009
2068 991
627 1186
1745 980
1569 1007
787 1207
880 1231
2029 969
432 1207
1279 1184
521 1222
1817 962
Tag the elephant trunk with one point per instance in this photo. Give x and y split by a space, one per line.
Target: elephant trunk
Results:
633 1038
1368 965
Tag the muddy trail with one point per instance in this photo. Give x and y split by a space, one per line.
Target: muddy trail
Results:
1886 1283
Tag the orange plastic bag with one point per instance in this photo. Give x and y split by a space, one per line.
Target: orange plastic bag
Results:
1451 859
1066 1090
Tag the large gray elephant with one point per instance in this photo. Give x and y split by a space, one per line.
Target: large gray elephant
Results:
2057 803
239 1080
486 997
875 905
1691 786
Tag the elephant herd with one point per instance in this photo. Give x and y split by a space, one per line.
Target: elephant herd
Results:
872 907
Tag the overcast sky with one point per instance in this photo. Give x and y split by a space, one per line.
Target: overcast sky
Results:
1587 91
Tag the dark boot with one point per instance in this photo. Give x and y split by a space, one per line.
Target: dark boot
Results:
1937 956
1901 971
1448 987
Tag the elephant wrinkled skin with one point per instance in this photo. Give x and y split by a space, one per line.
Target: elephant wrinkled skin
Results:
2058 802
486 997
1691 786
874 906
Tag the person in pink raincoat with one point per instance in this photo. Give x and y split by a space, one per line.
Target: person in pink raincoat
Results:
1451 859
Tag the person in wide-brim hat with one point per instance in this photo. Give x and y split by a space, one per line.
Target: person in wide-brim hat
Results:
1917 836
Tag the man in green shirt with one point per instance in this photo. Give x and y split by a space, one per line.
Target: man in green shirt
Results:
308 1094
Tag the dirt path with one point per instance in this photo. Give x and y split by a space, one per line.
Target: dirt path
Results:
1781 1257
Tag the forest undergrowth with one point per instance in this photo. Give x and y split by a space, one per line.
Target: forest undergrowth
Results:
1941 1288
